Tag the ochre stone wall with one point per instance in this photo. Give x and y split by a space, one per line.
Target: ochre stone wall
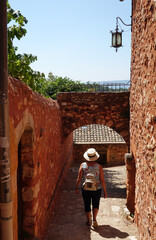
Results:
130 182
110 109
110 154
39 154
143 114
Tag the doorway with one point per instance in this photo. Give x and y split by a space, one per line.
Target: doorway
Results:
19 192
25 159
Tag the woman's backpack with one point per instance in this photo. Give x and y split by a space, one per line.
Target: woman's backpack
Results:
90 183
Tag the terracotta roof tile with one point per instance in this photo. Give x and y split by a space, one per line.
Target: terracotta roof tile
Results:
96 133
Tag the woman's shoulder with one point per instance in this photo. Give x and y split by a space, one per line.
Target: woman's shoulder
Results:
83 164
99 166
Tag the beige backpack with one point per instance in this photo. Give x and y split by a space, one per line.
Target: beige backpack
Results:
90 182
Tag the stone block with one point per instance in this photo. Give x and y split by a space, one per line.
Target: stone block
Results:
28 193
31 211
29 172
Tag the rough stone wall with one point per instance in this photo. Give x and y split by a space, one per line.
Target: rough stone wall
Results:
116 154
143 114
110 109
36 132
110 154
130 182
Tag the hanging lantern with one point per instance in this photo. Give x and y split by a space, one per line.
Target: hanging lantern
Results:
117 35
116 39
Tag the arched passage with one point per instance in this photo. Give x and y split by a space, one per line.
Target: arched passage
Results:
109 144
110 109
25 177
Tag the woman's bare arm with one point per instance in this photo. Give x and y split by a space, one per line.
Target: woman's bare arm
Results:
79 177
102 180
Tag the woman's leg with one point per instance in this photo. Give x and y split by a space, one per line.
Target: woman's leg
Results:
87 205
95 202
88 216
95 212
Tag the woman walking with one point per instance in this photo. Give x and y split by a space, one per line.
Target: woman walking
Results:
91 179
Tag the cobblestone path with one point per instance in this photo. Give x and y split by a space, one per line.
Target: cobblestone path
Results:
68 223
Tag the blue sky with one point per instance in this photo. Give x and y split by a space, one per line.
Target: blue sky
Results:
72 38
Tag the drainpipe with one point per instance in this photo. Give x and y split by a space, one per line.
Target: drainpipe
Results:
6 232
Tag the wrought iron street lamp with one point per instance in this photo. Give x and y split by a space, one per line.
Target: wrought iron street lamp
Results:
117 35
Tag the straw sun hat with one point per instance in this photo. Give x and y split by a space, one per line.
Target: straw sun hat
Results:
91 155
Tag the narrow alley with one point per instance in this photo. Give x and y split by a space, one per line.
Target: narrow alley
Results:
68 222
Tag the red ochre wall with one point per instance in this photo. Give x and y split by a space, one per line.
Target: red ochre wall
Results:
143 115
44 153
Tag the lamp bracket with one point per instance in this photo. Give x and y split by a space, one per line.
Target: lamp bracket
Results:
121 21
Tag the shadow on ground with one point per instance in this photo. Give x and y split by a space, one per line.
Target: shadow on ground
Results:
115 182
107 231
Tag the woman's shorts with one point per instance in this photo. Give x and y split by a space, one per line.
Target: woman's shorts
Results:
91 197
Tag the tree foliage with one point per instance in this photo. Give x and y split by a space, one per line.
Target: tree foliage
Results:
59 84
19 64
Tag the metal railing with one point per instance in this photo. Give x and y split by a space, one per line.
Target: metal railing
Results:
107 87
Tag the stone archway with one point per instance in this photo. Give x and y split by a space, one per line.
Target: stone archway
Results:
110 145
110 109
25 185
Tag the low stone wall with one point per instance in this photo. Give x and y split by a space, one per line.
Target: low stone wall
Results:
143 114
110 154
40 157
